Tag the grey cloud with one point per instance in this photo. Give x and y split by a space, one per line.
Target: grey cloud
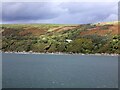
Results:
29 11
59 12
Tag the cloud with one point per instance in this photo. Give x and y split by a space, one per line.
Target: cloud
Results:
112 17
60 0
30 11
59 12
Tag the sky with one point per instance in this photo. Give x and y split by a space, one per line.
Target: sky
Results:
59 12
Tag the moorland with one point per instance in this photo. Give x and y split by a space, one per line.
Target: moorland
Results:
64 38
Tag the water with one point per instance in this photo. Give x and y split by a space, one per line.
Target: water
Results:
0 71
59 71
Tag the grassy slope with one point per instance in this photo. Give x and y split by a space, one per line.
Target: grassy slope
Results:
52 37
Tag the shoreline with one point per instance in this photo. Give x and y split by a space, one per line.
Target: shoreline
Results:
61 53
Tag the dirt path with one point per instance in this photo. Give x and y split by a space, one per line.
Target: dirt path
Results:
63 28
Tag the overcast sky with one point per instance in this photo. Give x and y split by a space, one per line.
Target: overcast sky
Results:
59 12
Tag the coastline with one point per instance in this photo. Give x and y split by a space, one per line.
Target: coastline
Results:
61 53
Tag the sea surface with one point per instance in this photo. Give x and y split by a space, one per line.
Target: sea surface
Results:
0 71
59 71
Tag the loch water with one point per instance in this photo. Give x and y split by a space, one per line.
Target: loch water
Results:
59 71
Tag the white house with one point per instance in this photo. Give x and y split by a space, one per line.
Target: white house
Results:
68 40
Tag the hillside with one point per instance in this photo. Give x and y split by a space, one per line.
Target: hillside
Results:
84 38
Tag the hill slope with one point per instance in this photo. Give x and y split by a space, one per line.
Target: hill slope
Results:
85 38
